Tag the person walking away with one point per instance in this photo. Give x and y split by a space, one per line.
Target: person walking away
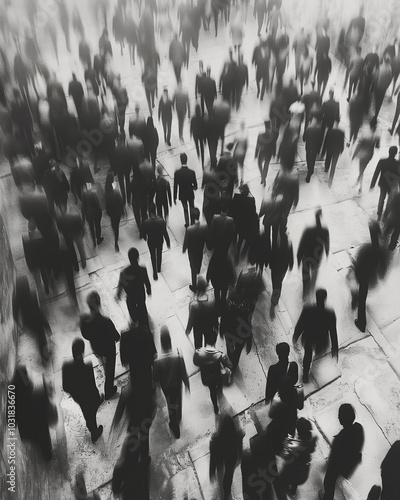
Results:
114 206
186 184
198 132
170 373
100 331
388 171
333 148
265 150
78 381
209 360
155 231
163 197
181 103
196 236
365 150
165 108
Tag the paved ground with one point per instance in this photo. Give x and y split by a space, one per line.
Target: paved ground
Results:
369 365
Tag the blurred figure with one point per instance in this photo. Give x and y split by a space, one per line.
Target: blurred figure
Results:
71 226
314 242
195 238
280 260
75 90
392 220
389 473
155 231
198 132
265 150
241 142
165 108
297 454
181 104
91 211
316 325
177 56
151 141
241 80
365 150
313 137
131 473
134 280
170 372
345 453
356 115
78 381
387 170
163 198
354 72
209 359
330 111
186 184
202 315
114 206
209 91
333 148
382 82
226 451
102 335
81 491
278 371
244 214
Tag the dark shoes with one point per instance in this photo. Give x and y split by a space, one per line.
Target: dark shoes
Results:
359 326
116 247
192 288
97 433
155 276
308 178
100 240
216 410
113 391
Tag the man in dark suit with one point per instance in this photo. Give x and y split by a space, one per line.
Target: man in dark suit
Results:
199 85
165 108
100 331
78 380
185 181
330 112
195 239
316 325
121 164
134 280
155 231
333 148
222 230
209 91
278 371
313 138
346 451
387 170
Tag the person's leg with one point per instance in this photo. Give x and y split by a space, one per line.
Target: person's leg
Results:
328 160
335 159
152 250
362 305
197 144
165 128
159 256
331 477
228 478
214 396
202 152
109 369
185 212
395 237
132 307
97 224
396 114
169 126
181 118
92 231
381 201
69 242
307 359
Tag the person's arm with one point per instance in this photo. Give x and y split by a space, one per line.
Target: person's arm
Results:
169 197
194 183
196 87
188 107
334 337
291 257
376 175
327 242
299 328
147 282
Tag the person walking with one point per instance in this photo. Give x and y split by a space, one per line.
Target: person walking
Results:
100 331
313 137
209 360
241 143
195 238
165 108
122 166
226 451
91 211
198 132
150 141
186 184
382 82
75 90
114 206
346 451
333 147
330 111
365 150
354 73
387 171
155 231
163 197
177 56
134 281
356 115
265 150
278 371
389 473
280 260
181 104
170 373
78 381
209 91
316 325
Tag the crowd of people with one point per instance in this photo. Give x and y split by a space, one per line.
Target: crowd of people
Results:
56 155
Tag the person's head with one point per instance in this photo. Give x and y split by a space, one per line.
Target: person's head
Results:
93 301
304 428
184 159
133 256
393 151
195 212
201 285
244 189
165 339
78 348
346 415
211 338
358 50
282 350
320 296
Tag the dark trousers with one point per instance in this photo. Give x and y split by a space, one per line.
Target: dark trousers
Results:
277 276
140 214
177 71
174 402
353 84
155 249
95 229
214 389
124 184
181 121
199 143
310 268
137 309
362 304
307 360
354 130
195 261
150 96
311 158
121 117
213 146
229 469
220 298
162 208
167 122
263 166
330 163
89 412
381 202
331 476
188 205
209 105
109 371
115 220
